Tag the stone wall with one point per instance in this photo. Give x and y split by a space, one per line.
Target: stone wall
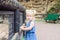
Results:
41 6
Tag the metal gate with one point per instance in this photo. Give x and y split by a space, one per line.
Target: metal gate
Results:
10 16
15 19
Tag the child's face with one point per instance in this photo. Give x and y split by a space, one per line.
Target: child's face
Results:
29 16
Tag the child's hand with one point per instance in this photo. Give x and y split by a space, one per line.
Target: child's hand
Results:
22 27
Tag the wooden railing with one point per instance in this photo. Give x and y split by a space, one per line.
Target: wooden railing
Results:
18 35
11 4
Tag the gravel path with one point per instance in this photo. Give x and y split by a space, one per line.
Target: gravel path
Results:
46 31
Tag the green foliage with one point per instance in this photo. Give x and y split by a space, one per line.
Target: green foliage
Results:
52 9
55 8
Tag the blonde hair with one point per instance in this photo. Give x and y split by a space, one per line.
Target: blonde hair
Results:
32 12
